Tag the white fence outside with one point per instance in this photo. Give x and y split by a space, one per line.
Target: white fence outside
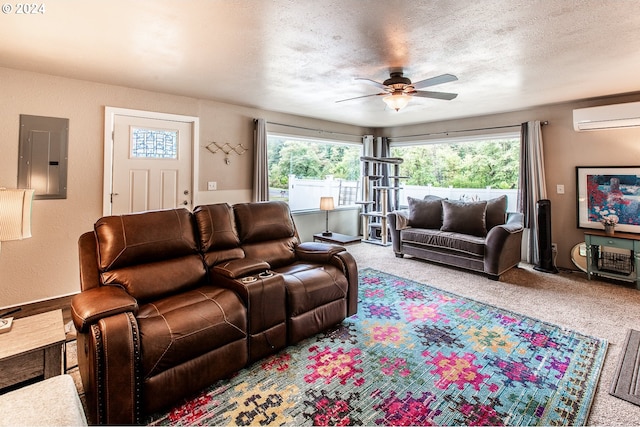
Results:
304 194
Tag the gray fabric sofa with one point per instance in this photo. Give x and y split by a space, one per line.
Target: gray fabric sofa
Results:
480 236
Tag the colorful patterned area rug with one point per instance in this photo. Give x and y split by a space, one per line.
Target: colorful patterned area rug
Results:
413 355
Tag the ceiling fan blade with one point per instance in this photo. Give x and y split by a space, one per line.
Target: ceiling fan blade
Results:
373 82
437 95
444 78
363 96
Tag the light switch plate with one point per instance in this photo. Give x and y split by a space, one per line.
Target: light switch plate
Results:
560 189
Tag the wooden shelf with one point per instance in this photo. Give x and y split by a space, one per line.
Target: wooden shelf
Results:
386 187
385 160
375 214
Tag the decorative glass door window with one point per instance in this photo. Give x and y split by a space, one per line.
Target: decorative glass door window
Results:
154 143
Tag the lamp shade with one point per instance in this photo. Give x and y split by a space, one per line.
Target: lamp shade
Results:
326 203
397 100
15 214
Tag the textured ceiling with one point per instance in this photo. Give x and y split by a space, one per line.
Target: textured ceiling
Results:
301 56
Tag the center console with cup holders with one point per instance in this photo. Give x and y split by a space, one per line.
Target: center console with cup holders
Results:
264 294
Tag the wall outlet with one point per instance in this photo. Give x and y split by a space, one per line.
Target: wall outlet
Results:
554 247
212 186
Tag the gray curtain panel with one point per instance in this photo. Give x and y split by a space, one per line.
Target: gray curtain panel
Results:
532 183
260 165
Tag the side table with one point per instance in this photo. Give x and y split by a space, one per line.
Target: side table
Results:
32 348
337 238
613 265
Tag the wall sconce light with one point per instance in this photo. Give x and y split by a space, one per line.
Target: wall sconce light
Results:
15 214
326 204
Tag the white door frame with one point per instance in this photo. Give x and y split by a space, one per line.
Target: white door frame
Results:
109 126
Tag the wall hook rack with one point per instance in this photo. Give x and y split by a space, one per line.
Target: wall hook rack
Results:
226 148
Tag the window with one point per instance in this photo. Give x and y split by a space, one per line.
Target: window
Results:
470 169
155 144
303 170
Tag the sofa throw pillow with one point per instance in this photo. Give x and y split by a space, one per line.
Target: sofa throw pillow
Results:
425 213
464 217
496 212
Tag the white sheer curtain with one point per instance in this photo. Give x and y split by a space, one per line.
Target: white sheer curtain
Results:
532 184
260 165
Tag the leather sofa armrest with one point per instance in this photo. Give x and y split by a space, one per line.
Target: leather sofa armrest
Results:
97 303
242 267
345 261
317 252
339 257
88 257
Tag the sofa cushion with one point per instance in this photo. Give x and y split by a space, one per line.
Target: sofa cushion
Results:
458 242
185 326
217 226
425 213
150 254
464 217
276 252
219 240
311 285
496 212
157 279
144 237
258 222
267 232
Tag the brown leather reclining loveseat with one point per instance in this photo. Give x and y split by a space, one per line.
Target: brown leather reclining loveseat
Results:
172 301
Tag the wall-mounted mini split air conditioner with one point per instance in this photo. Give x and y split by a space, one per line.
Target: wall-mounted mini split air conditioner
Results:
616 116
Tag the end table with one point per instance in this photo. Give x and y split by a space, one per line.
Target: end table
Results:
337 238
32 348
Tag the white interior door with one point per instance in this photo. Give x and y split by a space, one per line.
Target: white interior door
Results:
152 164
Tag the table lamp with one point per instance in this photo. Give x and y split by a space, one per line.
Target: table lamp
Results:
326 204
15 224
15 214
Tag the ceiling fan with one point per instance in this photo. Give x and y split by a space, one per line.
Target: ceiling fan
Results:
398 89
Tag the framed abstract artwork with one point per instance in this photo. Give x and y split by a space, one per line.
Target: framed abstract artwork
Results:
605 191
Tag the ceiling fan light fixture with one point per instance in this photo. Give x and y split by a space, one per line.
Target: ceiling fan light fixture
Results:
397 100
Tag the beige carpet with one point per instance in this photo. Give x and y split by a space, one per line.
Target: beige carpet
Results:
601 309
